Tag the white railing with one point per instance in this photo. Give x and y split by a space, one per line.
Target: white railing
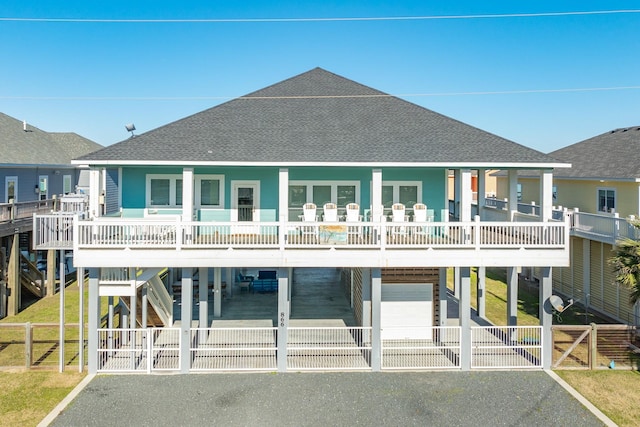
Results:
328 348
138 350
123 350
165 349
603 227
506 347
177 235
438 349
53 231
234 349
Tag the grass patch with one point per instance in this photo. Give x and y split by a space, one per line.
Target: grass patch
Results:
27 397
613 392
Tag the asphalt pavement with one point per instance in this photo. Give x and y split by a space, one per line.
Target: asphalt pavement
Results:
517 398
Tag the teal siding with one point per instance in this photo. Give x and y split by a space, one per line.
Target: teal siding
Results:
433 185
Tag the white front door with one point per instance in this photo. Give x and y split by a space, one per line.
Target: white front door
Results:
10 189
246 201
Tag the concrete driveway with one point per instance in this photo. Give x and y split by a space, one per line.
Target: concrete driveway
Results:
327 399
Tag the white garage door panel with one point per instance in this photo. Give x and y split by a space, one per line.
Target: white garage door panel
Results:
406 311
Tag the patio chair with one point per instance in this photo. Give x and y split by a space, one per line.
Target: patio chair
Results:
353 215
244 282
309 215
398 216
420 212
309 212
330 212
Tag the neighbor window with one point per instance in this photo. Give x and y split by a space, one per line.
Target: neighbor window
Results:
606 200
166 190
66 184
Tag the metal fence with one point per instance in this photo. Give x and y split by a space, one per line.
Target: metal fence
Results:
438 348
328 348
506 347
234 349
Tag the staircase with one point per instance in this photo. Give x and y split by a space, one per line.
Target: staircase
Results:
31 278
159 302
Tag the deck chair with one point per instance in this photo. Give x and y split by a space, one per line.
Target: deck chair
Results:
330 212
309 215
353 215
309 212
398 216
420 217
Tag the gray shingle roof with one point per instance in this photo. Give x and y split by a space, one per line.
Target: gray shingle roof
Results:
614 154
37 147
318 117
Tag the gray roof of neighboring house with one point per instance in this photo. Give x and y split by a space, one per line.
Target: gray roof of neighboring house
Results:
37 147
614 155
318 117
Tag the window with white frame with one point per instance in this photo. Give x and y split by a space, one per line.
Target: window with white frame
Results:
10 188
166 190
66 184
209 191
606 200
406 192
321 192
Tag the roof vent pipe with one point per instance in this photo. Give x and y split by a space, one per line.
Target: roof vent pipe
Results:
24 125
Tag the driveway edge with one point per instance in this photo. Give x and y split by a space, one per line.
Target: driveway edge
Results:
63 404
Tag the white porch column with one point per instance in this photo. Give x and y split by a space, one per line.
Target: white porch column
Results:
185 322
187 194
466 195
513 193
376 321
512 296
376 195
133 301
80 279
144 306
482 191
481 289
546 316
465 318
284 310
94 192
203 297
94 321
217 292
442 297
457 190
283 205
546 195
231 279
456 282
61 324
366 298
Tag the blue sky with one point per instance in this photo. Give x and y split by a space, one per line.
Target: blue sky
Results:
56 75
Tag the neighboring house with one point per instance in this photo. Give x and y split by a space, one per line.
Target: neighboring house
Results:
601 189
241 188
35 167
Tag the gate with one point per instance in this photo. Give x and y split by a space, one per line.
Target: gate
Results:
441 350
596 346
138 350
506 347
328 348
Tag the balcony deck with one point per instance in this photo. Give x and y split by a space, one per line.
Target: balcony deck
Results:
109 241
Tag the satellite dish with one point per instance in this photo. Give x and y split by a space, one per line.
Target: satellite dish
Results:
557 303
130 128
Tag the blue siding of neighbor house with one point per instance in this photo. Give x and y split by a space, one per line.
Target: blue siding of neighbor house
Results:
433 184
28 179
